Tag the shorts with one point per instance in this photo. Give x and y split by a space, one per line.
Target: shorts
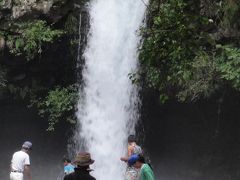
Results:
16 176
131 174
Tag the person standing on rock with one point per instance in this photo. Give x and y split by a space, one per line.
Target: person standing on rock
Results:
82 171
133 148
20 163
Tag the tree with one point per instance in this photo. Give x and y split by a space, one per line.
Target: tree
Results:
31 37
181 55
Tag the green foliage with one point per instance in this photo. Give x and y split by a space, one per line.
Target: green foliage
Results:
21 92
173 40
202 80
230 14
180 58
229 65
28 37
32 36
58 105
71 24
212 8
28 91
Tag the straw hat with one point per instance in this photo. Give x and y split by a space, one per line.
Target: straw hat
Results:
83 159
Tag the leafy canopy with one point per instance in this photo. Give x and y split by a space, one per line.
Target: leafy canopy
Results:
182 56
58 105
31 38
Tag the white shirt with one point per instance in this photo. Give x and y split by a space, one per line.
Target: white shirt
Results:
19 160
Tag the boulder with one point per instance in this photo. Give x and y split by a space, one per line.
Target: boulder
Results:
6 4
22 7
44 6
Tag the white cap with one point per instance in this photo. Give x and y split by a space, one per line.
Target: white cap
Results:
27 145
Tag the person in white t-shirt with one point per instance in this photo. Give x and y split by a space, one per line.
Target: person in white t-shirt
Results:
20 164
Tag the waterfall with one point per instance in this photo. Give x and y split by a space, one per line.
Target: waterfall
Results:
108 104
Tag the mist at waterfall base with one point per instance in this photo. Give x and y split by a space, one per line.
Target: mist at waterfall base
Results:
179 138
108 105
18 124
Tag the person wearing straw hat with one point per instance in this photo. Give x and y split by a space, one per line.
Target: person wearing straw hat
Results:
20 163
82 172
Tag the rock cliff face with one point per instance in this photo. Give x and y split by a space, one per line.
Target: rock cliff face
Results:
29 26
20 8
56 14
14 11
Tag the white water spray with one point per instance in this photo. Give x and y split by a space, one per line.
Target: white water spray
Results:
107 109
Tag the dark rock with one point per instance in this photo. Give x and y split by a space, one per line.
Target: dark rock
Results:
6 4
19 77
2 43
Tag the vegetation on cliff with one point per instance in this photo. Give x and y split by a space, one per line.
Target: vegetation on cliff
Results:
191 48
57 105
38 55
31 39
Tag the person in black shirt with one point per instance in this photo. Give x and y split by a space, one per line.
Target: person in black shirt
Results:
82 171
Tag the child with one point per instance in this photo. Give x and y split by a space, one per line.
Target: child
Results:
68 167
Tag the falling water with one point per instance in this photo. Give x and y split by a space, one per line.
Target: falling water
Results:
107 109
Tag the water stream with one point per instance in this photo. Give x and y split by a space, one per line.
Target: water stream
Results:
108 105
